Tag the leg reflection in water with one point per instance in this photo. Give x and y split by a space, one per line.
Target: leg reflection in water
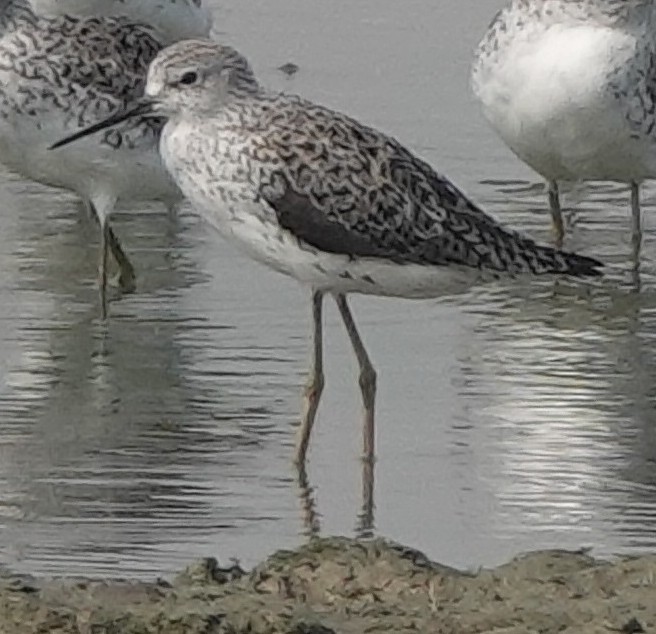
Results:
310 516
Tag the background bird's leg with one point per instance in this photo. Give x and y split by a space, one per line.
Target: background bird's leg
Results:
104 242
315 382
636 228
126 277
556 214
173 207
103 205
367 377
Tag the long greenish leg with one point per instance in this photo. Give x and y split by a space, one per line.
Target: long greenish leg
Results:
636 225
104 250
367 377
315 382
127 277
556 214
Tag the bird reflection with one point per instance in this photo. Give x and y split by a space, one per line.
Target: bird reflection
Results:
636 285
310 515
365 525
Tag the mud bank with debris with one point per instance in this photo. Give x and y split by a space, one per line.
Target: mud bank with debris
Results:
345 586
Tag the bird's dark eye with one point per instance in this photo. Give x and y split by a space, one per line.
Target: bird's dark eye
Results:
189 78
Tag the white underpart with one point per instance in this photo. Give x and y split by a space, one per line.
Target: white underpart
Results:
330 272
267 243
174 19
546 93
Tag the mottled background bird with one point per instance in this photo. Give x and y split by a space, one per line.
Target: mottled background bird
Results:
60 73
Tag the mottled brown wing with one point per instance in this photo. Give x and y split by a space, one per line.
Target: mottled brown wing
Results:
92 67
347 188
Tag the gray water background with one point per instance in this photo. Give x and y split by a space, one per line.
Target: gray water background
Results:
510 418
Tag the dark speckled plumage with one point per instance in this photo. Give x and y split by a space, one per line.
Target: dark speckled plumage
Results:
62 72
317 195
85 68
315 175
329 182
346 188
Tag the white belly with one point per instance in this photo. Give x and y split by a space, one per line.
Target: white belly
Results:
218 192
280 250
547 95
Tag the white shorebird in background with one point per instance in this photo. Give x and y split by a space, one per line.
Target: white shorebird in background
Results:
570 86
58 74
318 196
173 20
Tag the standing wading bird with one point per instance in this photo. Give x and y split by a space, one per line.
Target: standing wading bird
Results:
58 74
318 196
570 87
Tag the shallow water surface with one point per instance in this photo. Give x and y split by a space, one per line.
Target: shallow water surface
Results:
512 417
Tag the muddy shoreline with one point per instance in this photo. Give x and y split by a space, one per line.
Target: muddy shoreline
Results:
344 585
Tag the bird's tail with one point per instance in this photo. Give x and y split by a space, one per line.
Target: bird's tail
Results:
517 253
567 263
478 240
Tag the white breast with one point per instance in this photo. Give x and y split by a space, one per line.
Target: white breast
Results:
548 95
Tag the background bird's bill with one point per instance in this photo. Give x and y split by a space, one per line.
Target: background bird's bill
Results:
140 108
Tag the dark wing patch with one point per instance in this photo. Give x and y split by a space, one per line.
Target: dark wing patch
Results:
297 214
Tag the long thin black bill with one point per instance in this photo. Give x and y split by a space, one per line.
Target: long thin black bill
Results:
140 108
